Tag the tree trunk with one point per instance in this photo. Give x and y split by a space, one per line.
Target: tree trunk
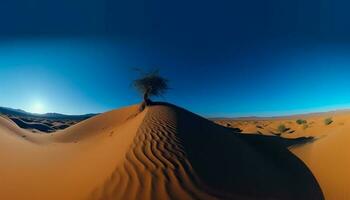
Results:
146 99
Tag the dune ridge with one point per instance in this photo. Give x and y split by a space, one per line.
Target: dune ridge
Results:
155 166
64 165
172 158
164 152
328 158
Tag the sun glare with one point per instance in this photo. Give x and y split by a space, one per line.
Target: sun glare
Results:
38 107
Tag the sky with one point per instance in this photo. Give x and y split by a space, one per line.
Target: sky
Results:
222 58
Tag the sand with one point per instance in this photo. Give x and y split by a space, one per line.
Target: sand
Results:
327 156
164 152
43 125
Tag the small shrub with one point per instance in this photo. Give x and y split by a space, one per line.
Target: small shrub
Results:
328 121
301 121
282 128
305 126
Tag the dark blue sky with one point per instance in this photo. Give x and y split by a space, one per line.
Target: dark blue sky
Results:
223 58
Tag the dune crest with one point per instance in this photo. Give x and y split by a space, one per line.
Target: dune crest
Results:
328 158
164 152
179 155
68 164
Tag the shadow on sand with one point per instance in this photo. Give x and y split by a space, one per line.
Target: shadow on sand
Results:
248 166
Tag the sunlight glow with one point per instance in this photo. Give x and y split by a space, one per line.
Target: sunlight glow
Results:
38 108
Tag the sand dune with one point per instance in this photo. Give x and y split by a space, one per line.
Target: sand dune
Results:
164 152
42 123
327 156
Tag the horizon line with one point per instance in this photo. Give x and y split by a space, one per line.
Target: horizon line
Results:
283 114
273 114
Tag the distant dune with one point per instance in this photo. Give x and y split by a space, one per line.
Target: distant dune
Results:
164 152
327 156
46 123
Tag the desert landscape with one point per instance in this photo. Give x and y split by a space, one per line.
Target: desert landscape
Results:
42 123
174 100
326 154
164 152
157 150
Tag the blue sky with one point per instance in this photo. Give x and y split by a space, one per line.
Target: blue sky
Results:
225 58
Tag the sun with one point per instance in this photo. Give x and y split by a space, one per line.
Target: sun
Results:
38 107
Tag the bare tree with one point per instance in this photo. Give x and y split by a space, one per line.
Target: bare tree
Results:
150 84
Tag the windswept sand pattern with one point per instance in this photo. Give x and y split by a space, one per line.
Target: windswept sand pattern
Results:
165 152
176 154
156 166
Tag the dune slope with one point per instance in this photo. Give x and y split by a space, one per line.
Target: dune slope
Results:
164 152
328 158
179 155
64 165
